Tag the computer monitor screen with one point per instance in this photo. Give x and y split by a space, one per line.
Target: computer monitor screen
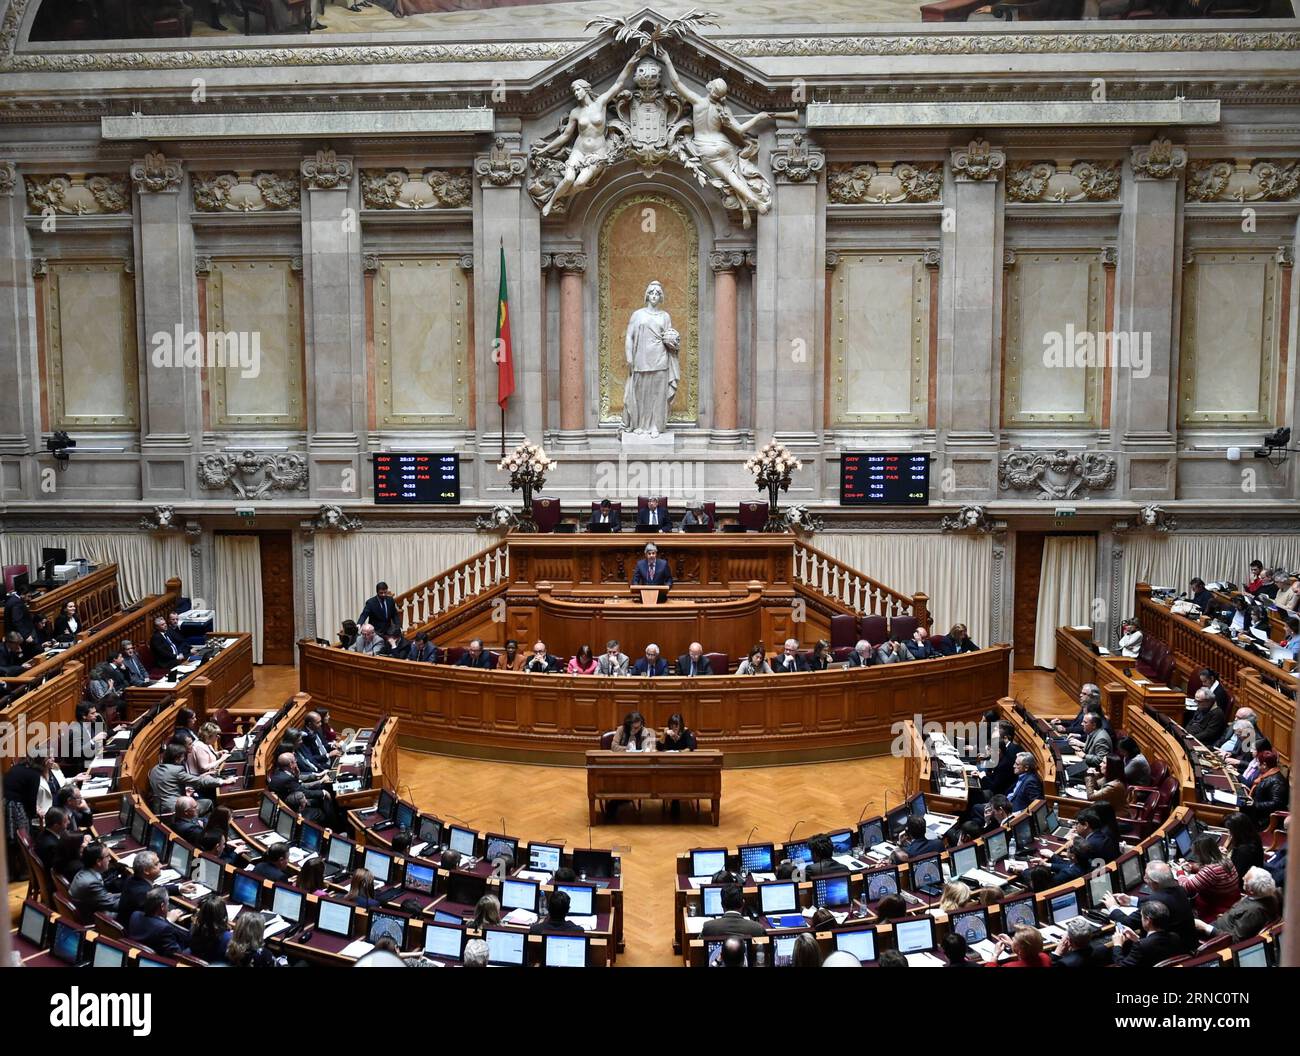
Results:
896 819
209 873
158 842
1052 821
339 853
783 951
418 878
973 926
1040 818
1024 833
871 833
519 894
1018 912
57 555
506 847
712 897
926 873
404 816
798 852
917 804
463 840
881 883
439 917
464 889
963 859
593 863
1130 872
32 925
387 925
995 845
831 891
777 898
144 961
287 903
713 953
139 827
335 917
708 862
106 956
913 936
1155 851
1098 888
268 809
565 951
582 901
1064 907
430 831
309 838
125 812
544 857
379 864
67 943
862 944
842 841
284 824
1182 840
387 801
505 947
756 858
246 890
1253 956
441 940
180 860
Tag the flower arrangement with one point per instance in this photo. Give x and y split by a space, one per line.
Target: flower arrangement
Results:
527 465
772 467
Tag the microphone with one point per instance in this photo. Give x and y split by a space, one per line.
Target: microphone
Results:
588 834
751 833
865 806
792 828
503 825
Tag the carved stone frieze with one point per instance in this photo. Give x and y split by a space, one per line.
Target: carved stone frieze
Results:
326 172
252 475
431 189
1244 180
500 166
869 183
245 192
796 163
331 518
978 161
574 262
1063 182
1158 160
156 174
8 179
1059 475
163 519
77 194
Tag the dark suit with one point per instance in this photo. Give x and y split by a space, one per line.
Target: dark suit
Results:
546 926
270 872
856 659
44 844
547 666
661 575
1002 777
485 659
380 613
158 933
732 923
788 665
642 667
166 654
424 654
1027 788
829 867
614 519
1181 915
922 847
1089 957
1204 601
137 674
188 829
1269 794
285 783
17 616
663 520
11 663
702 665
63 632
132 898
1150 950
399 650
1207 725
921 650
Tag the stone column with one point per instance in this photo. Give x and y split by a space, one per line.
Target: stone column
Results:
18 391
334 334
506 218
726 347
168 303
790 282
1147 282
970 349
573 422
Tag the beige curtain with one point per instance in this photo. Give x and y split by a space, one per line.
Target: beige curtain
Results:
237 587
1067 585
954 570
145 560
348 567
1172 560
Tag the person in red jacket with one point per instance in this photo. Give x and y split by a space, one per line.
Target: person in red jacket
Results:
1027 945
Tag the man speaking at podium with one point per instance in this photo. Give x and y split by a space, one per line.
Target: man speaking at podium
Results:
651 572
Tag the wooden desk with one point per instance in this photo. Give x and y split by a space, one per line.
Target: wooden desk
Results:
214 686
654 775
51 702
97 595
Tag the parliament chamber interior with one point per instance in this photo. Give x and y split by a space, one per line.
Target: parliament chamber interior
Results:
530 484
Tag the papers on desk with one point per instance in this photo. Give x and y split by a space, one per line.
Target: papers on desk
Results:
1077 791
1228 799
1211 628
195 891
96 786
356 948
985 878
939 823
925 960
274 925
1102 651
1141 682
695 925
270 838
587 923
347 786
700 881
881 850
985 949
121 737
764 878
167 876
298 855
233 909
522 917
530 874
848 861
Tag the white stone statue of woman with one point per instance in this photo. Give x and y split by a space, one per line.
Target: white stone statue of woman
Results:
653 369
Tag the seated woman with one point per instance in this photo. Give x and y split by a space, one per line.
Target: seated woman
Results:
1137 771
820 659
361 892
210 932
1268 791
511 659
1108 786
247 946
677 738
205 754
955 896
1240 616
891 907
633 736
348 634
1130 638
1244 844
1027 945
1211 882
584 663
755 663
67 625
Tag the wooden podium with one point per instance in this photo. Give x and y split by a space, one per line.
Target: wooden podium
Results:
650 595
654 775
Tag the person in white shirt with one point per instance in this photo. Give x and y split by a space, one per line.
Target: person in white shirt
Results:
1130 638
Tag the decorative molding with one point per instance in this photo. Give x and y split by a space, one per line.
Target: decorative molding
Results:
726 260
574 262
245 192
77 194
1063 182
155 174
465 262
500 166
202 264
978 162
8 179
295 264
326 172
999 584
1158 160
931 258
868 183
1285 256
1060 475
370 262
1244 180
501 518
163 519
40 267
252 476
796 163
1008 257
432 189
1109 257
331 518
832 259
1151 518
969 519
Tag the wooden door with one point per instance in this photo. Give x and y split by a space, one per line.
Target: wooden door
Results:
1024 623
278 624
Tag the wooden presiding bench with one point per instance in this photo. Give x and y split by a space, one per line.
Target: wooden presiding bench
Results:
654 775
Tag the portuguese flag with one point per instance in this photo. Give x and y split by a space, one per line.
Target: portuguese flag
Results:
501 349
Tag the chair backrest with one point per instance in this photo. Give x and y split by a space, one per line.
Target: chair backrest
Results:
903 627
875 629
1159 771
719 663
454 653
752 516
940 642
107 924
1217 942
38 875
546 514
614 507
11 572
844 630
607 740
63 904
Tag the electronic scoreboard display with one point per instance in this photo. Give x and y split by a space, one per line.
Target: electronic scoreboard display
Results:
401 477
873 478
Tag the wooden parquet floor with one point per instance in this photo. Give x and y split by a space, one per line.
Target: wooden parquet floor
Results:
549 803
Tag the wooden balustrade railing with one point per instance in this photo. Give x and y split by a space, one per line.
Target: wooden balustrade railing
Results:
98 597
54 701
451 589
817 571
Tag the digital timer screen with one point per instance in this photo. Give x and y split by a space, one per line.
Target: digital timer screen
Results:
412 478
876 479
